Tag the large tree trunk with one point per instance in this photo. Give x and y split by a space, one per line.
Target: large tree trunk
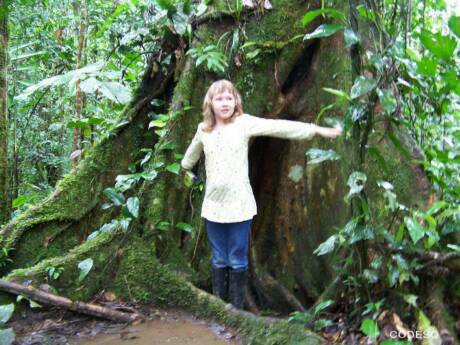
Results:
299 204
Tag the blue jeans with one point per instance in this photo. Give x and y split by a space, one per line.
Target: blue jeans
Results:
229 244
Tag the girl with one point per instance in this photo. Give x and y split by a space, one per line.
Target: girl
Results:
229 203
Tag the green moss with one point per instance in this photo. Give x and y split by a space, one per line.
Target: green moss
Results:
101 249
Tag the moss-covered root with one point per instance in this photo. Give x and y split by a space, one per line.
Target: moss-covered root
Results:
100 250
141 277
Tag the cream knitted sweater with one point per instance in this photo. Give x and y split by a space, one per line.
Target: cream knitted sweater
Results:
228 196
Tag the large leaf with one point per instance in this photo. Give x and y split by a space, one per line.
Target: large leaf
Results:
362 86
116 197
84 267
316 156
356 182
133 206
6 311
330 12
115 91
350 38
327 246
324 30
441 46
416 231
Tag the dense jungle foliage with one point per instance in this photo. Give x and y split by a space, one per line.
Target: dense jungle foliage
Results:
74 66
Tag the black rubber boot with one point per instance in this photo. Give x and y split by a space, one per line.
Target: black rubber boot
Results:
237 288
220 282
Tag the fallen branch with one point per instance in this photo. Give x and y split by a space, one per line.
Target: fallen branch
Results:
63 302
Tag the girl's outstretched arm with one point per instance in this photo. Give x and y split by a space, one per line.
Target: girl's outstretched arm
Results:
256 126
192 155
328 132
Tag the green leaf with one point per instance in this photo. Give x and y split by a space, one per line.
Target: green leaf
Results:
323 305
327 246
427 66
316 156
387 100
340 93
362 86
350 37
184 226
411 299
6 311
84 267
7 336
133 206
321 323
115 91
21 200
365 13
369 327
311 15
114 196
416 231
174 168
90 85
441 46
324 30
454 247
356 182
454 25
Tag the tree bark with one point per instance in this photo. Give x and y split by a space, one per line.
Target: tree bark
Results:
77 134
4 170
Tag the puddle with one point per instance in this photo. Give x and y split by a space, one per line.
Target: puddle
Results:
172 327
158 332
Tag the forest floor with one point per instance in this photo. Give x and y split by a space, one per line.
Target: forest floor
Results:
53 326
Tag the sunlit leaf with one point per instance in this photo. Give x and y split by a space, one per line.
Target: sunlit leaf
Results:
340 93
6 311
114 196
84 267
356 182
329 12
174 168
327 246
441 46
416 231
184 226
133 206
324 30
369 327
350 37
362 86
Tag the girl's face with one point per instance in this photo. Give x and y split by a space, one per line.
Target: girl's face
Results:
223 106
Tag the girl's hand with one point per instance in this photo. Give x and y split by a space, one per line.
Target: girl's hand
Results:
328 132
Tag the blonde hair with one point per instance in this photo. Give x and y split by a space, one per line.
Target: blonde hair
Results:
219 86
